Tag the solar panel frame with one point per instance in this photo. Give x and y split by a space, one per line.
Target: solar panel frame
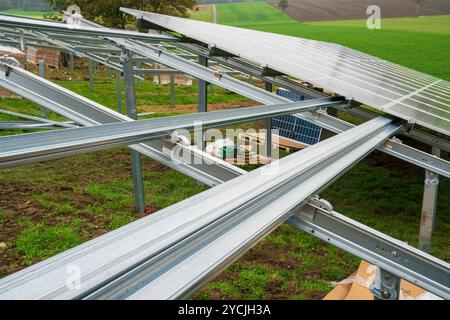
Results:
405 93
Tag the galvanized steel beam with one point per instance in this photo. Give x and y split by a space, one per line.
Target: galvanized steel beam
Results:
20 149
375 247
154 256
11 21
87 112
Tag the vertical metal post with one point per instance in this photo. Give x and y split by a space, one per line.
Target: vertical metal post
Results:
127 64
428 216
42 68
71 63
202 102
138 66
24 48
268 87
42 75
211 88
109 72
91 75
172 92
119 91
159 74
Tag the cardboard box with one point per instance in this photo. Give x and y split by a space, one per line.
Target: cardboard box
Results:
356 287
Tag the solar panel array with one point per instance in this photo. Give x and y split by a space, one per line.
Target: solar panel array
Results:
408 94
292 127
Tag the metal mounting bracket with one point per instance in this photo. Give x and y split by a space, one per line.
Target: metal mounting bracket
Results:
386 286
5 63
315 203
124 56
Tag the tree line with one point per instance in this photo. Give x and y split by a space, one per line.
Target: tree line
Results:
107 12
29 5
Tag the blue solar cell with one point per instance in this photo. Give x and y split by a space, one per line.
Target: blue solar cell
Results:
293 127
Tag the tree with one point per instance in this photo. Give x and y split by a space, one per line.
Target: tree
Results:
108 14
283 4
418 5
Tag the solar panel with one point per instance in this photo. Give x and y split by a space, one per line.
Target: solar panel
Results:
408 94
293 127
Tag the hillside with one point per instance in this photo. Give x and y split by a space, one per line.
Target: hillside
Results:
418 43
319 10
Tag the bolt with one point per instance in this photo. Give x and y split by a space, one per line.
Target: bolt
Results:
385 294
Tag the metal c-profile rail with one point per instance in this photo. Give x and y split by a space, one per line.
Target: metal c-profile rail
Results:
26 125
324 120
392 255
171 253
395 148
88 113
27 148
11 21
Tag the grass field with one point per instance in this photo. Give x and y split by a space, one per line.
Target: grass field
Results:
48 207
418 43
32 14
202 14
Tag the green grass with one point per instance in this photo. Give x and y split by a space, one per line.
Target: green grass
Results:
418 43
32 14
203 15
39 241
432 24
291 264
48 207
150 97
250 13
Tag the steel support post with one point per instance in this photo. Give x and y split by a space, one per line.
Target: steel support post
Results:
91 75
24 49
268 87
42 75
428 217
202 103
71 63
159 74
127 63
172 92
119 91
138 66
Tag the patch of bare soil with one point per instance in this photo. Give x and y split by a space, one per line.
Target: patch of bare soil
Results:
322 10
17 203
191 108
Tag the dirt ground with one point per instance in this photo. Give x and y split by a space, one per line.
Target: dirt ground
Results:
321 10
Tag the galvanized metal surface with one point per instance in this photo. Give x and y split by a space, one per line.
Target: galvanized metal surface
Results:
154 256
48 26
88 113
375 247
20 149
408 94
130 96
156 53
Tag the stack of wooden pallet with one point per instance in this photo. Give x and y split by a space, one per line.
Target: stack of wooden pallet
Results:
52 57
